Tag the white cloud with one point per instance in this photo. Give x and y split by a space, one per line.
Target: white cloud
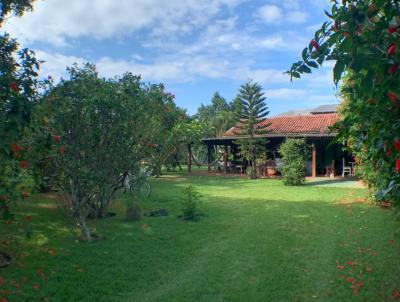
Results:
297 17
55 21
270 13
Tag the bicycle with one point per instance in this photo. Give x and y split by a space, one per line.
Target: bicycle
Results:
138 184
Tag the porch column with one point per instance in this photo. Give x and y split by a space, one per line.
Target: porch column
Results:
209 157
189 157
333 168
314 160
225 159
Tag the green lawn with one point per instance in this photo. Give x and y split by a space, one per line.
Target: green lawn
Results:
258 241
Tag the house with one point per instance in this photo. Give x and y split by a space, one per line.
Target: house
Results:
327 156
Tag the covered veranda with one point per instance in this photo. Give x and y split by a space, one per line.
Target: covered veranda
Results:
327 158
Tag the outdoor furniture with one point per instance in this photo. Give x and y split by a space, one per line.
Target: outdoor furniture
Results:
239 168
346 169
353 168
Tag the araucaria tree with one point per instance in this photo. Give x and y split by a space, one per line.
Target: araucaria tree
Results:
362 38
252 123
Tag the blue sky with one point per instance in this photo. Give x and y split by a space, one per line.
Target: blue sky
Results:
194 47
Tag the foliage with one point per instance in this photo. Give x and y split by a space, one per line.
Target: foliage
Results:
16 7
294 154
219 116
18 93
251 122
97 130
190 203
261 226
363 40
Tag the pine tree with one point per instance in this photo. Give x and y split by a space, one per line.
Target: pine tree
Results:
252 123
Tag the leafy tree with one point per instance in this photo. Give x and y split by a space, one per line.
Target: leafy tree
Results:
98 131
294 153
362 39
252 122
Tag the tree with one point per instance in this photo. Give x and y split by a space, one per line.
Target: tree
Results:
294 153
252 122
18 94
362 39
98 131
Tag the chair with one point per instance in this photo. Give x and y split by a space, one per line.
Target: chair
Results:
346 169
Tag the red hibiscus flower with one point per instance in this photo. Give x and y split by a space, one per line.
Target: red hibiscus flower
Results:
397 144
14 86
392 69
398 165
57 138
16 148
315 44
392 50
62 150
393 97
24 164
392 29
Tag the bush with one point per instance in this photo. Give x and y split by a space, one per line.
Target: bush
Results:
190 203
294 153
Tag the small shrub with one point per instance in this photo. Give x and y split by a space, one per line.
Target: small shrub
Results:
250 172
190 204
294 153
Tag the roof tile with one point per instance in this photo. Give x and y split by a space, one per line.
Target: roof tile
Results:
298 124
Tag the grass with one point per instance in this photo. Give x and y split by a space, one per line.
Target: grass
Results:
258 241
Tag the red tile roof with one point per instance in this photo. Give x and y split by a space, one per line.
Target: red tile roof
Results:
316 124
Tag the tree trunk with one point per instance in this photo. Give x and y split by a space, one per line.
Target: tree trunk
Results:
254 165
84 228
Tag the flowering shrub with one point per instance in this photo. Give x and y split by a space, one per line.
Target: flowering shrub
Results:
362 38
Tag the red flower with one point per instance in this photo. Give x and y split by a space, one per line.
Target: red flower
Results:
17 155
389 153
336 26
393 68
396 294
62 150
392 50
24 164
16 148
57 138
398 165
392 29
25 194
314 44
393 97
397 144
14 86
351 280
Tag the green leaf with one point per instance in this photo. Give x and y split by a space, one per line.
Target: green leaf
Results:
338 71
304 54
312 64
